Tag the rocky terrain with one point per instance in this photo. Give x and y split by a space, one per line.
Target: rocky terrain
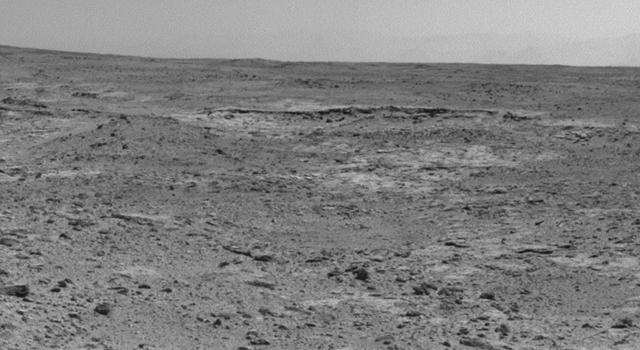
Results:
251 204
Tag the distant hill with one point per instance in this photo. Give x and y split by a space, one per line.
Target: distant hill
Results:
523 48
527 49
486 48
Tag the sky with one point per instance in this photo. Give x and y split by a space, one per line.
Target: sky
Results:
321 30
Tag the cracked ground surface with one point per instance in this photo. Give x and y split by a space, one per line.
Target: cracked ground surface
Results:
250 204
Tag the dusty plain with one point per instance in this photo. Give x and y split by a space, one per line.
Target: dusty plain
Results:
252 204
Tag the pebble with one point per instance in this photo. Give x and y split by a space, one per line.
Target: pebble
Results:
386 339
104 309
476 343
424 288
8 241
413 313
255 339
335 272
262 284
64 283
450 291
362 274
264 257
15 291
488 296
623 323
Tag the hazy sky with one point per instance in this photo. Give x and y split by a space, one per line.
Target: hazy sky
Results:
295 29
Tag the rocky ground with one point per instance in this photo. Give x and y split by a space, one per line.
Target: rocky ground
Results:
250 204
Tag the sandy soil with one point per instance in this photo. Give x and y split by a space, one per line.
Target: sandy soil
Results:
250 204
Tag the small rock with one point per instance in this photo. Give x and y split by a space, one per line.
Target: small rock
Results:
362 274
503 329
15 291
266 312
386 339
225 316
405 254
244 314
424 288
264 257
488 296
413 313
450 291
238 260
259 341
120 290
262 284
64 283
456 244
477 343
335 272
237 250
255 339
8 241
104 309
377 258
623 323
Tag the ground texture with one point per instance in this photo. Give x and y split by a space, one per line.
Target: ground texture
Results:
249 204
